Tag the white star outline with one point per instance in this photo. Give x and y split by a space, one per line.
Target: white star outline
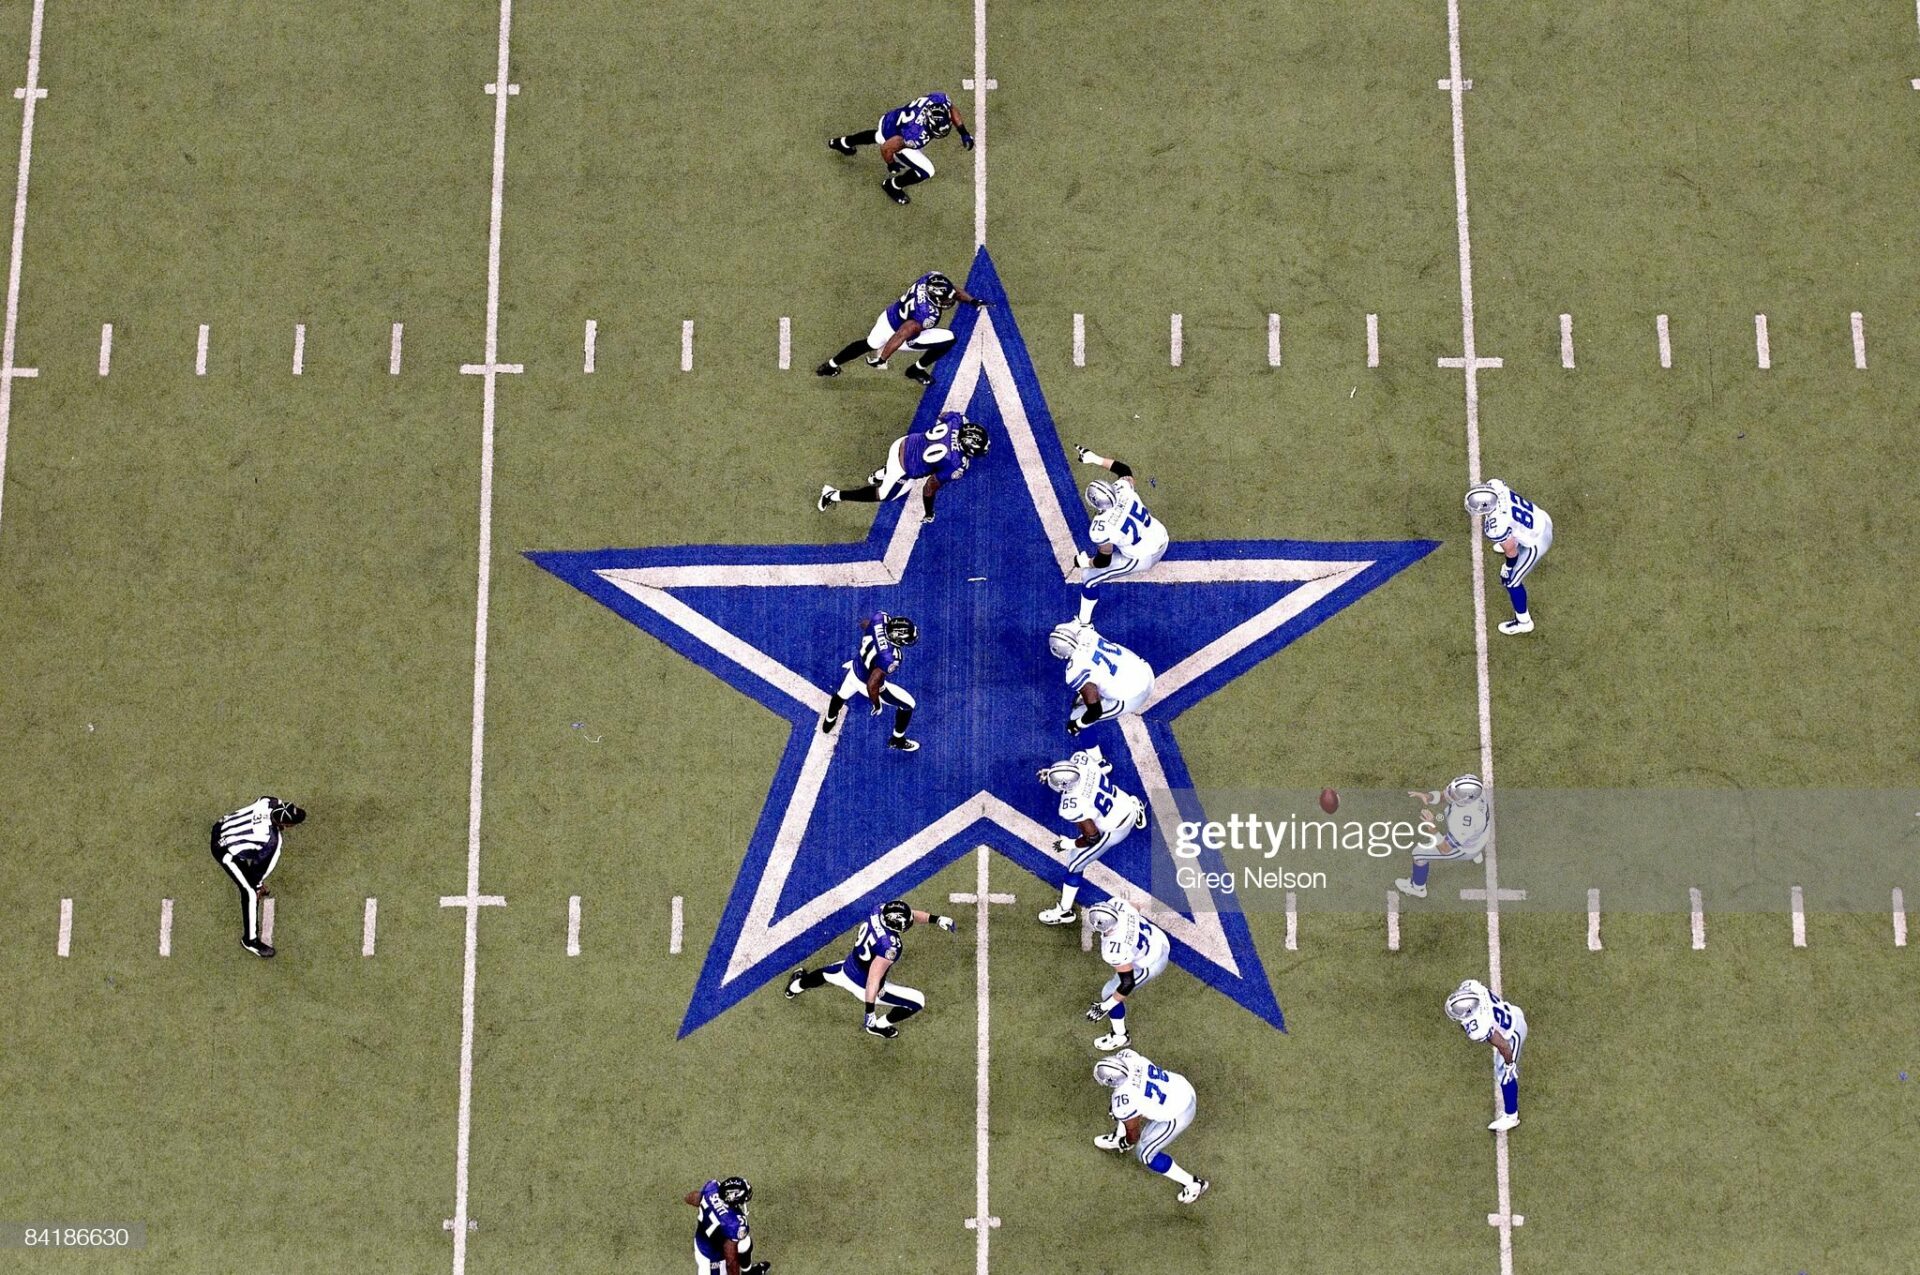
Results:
760 934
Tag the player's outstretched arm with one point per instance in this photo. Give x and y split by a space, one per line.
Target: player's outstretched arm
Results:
933 918
966 298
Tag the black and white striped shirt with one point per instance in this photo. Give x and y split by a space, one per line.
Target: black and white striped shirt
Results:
250 829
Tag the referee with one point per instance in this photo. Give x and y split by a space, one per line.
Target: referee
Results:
247 845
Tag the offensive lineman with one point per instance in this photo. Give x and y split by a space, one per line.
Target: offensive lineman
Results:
1151 1107
1107 679
876 946
882 639
1126 538
247 845
1101 815
910 323
902 136
1484 1017
721 1240
1138 951
940 454
1522 531
1462 828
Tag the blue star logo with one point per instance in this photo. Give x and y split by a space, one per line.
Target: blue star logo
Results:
849 822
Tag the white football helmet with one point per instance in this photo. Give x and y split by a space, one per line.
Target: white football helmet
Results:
1464 789
1103 916
1064 638
1102 495
1466 1000
1483 500
1061 776
1111 1071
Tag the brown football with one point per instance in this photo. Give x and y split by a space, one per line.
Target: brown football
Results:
1329 800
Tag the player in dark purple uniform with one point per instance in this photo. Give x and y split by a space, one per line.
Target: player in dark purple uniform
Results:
912 323
876 946
940 454
721 1241
882 638
902 136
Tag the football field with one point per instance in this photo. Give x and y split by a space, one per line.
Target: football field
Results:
408 410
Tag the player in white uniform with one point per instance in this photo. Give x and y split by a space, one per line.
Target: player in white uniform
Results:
1522 531
1126 538
1462 826
1107 679
1101 815
1138 951
1151 1107
1485 1018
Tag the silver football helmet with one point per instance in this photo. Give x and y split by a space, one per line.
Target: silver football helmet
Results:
1483 500
1103 916
1464 789
1064 638
1111 1071
1061 776
1102 495
1466 1000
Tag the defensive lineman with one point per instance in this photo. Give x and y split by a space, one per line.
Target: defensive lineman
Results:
1138 951
1126 538
1485 1018
882 639
1462 826
940 454
1101 815
1151 1107
876 946
902 136
721 1240
1107 679
910 323
247 845
1522 531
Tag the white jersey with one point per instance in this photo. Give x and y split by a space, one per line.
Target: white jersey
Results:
1514 515
1150 1092
1128 527
1115 672
1467 824
1135 941
1099 799
1494 1012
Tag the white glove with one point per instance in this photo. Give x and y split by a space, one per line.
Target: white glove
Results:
1065 845
1082 560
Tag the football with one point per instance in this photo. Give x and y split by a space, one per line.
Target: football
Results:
1329 800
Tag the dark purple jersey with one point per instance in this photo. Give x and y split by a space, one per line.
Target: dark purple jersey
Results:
718 1222
873 940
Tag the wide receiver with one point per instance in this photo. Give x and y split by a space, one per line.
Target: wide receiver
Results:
1484 1017
1522 531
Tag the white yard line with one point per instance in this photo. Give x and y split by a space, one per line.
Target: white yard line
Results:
1899 918
299 348
786 342
1393 920
980 86
1079 339
1086 930
686 345
1593 920
677 932
1273 340
573 925
1373 340
166 927
982 1222
200 351
1666 340
106 348
1799 917
1697 918
1471 363
1859 339
1177 339
65 944
393 350
1566 340
1293 921
266 921
473 900
592 337
29 97
1762 348
369 924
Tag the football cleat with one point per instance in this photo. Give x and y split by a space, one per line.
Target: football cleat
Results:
793 984
1505 1122
903 744
1059 916
1112 1040
1406 886
881 1028
1188 1194
257 947
1518 625
894 193
1112 1142
919 375
829 368
840 144
828 496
